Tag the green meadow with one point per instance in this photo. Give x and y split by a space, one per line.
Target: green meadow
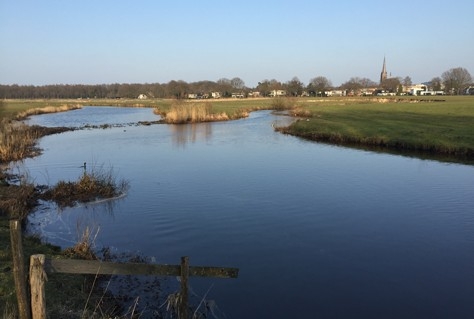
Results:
441 125
436 125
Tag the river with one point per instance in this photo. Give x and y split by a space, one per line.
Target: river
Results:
317 231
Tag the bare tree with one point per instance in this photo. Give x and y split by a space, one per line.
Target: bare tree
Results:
319 85
263 87
294 87
407 81
391 84
436 83
225 87
237 83
456 79
178 89
353 85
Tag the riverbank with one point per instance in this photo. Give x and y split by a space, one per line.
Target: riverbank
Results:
18 197
429 126
436 126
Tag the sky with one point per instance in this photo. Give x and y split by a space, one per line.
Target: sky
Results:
154 41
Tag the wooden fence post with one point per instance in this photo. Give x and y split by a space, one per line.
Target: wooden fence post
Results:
37 279
183 307
19 270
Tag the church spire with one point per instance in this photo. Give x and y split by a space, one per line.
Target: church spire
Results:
383 74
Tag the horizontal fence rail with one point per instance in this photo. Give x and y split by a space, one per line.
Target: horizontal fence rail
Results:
40 266
72 266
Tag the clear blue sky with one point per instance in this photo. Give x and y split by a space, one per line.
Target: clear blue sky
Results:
103 41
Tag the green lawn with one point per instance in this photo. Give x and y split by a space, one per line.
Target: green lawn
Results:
445 126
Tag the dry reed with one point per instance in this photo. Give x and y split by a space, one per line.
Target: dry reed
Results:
47 109
94 185
17 140
185 112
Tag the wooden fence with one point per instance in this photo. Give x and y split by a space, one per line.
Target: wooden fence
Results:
40 266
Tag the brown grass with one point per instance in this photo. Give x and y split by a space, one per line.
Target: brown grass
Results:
94 185
17 141
182 112
47 109
16 201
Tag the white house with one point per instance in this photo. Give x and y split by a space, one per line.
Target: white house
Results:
238 95
254 94
277 93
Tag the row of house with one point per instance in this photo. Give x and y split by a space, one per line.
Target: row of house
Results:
417 89
236 95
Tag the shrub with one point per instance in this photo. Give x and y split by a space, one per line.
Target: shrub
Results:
98 184
282 103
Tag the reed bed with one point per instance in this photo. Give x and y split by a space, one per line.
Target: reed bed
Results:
95 185
47 109
17 140
185 112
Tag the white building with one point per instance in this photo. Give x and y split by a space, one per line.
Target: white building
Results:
275 93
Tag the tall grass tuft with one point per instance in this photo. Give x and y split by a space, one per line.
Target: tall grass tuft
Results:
16 140
182 112
83 249
95 185
17 200
282 103
47 109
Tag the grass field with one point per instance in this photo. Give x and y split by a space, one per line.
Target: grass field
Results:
436 125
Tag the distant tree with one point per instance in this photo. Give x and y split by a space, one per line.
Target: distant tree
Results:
177 89
266 86
407 81
225 87
456 79
353 85
237 83
319 85
294 87
436 83
263 87
368 83
391 84
275 85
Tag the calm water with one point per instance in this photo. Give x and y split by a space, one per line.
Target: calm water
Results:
317 231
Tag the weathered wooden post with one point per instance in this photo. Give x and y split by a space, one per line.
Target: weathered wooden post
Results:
19 269
37 280
183 306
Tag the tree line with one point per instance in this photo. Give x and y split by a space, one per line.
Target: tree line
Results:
453 81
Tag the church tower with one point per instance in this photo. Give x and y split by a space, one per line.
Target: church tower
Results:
383 74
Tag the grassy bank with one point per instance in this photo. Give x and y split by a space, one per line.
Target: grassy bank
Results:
69 296
431 125
84 297
438 126
232 108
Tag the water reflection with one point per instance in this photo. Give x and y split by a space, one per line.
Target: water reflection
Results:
182 134
311 226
